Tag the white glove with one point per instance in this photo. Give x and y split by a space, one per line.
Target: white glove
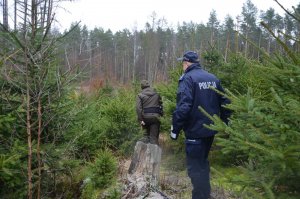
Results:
173 136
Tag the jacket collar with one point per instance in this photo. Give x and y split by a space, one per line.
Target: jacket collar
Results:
192 67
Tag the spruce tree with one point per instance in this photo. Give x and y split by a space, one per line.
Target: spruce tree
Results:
263 134
32 89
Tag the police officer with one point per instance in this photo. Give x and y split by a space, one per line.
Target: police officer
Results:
149 109
195 88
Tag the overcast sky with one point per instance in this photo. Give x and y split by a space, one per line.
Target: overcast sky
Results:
119 14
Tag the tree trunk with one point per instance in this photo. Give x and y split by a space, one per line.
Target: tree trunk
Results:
39 148
5 14
29 137
269 45
227 46
25 16
236 42
246 44
259 46
15 15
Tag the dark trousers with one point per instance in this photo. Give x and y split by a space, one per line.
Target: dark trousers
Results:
151 127
198 166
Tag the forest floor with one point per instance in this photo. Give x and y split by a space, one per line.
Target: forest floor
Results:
173 183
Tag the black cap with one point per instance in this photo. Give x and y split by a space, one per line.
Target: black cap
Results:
189 56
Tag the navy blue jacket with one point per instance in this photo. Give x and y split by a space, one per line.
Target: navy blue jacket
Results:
194 91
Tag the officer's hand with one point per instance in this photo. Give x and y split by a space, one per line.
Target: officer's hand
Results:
142 123
173 136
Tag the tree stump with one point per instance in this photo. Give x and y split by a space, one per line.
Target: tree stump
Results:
142 180
146 162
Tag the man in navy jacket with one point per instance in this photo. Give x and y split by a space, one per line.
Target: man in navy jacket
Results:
196 88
